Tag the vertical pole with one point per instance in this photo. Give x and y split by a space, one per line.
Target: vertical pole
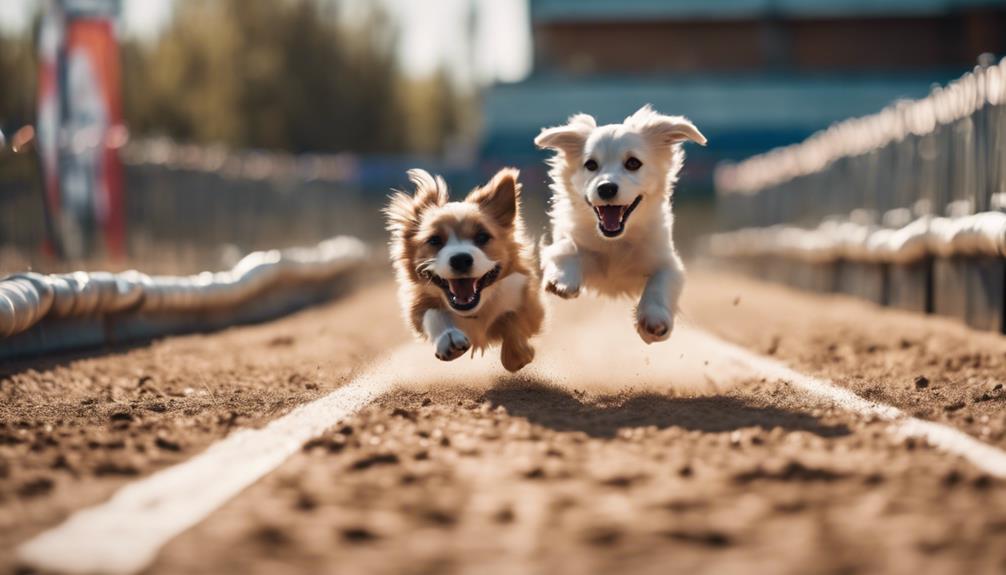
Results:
49 116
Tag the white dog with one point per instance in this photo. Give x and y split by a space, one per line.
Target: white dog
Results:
611 212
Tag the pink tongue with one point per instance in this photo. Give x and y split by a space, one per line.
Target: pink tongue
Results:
463 289
611 217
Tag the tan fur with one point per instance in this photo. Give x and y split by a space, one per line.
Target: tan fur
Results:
493 209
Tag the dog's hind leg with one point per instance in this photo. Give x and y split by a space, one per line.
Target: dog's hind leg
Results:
562 269
449 342
659 302
516 353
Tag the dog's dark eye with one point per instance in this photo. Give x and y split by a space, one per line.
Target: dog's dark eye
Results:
632 164
591 166
435 241
482 238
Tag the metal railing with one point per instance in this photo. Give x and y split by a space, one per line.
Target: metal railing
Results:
904 207
942 155
184 203
198 197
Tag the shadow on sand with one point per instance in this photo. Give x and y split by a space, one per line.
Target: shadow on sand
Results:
562 409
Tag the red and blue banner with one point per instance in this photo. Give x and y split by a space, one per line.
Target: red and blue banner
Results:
80 126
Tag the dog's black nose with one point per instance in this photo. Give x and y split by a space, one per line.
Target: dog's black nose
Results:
607 190
461 262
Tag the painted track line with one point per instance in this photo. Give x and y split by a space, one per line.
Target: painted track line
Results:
124 534
988 458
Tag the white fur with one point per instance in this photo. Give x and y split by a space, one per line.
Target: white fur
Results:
442 267
641 262
451 343
610 146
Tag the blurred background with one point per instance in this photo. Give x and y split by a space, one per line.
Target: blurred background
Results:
173 135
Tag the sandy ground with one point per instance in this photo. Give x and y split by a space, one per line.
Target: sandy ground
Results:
933 368
75 427
593 461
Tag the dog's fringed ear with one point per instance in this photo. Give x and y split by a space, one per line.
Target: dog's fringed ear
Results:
665 130
568 139
430 191
500 198
403 210
400 214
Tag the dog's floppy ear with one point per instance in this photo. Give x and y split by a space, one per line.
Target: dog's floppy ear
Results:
665 130
568 139
403 210
500 198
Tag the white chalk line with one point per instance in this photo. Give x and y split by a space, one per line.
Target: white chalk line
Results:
988 458
124 534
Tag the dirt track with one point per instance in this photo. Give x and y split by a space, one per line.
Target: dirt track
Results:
619 465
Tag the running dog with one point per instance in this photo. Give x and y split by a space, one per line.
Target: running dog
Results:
465 269
611 212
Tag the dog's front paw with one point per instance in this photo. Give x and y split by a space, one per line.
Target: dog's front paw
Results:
516 355
452 344
565 291
561 282
654 323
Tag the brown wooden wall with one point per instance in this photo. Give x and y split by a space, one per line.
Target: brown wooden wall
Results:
845 44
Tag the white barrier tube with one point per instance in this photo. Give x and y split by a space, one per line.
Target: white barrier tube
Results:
27 298
981 234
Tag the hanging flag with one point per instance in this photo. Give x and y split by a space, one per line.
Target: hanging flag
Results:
80 125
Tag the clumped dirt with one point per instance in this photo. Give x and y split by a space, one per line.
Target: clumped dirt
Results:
73 428
530 475
931 367
532 478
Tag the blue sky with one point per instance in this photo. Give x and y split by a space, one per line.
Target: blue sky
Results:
433 32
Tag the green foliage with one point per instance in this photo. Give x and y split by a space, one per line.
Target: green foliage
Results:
436 112
284 74
278 74
17 81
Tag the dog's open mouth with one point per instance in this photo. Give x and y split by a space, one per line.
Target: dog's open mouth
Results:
464 294
611 218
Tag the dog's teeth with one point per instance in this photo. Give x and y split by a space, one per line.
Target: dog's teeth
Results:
610 217
463 291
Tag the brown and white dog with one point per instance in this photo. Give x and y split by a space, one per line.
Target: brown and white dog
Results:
465 270
611 212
